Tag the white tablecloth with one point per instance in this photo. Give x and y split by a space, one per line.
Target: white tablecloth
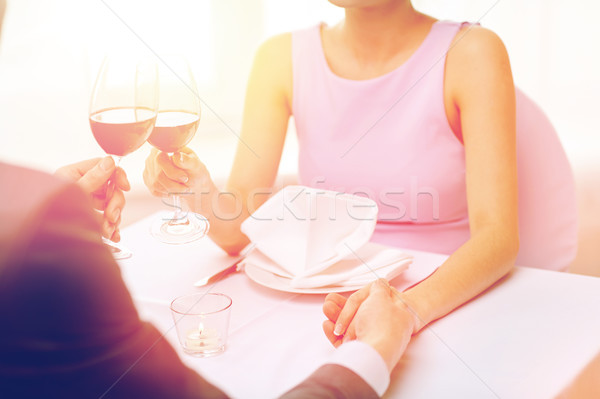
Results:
527 337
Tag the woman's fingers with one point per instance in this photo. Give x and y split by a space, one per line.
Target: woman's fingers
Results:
158 190
150 181
171 186
350 334
170 169
336 298
349 310
328 330
331 310
181 173
333 306
188 160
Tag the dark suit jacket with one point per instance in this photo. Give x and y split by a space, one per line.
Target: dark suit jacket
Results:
68 326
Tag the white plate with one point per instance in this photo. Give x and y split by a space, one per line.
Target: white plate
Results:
273 281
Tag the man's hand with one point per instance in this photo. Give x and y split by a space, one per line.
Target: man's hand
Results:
105 183
375 315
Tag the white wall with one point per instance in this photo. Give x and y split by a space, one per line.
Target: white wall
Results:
50 52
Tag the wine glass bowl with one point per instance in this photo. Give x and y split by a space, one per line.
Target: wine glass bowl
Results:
174 130
124 104
120 131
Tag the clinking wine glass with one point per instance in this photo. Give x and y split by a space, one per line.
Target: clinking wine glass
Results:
123 112
176 123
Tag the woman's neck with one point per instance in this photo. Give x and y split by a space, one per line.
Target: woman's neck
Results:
379 33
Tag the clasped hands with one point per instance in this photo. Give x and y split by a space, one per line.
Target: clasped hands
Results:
376 315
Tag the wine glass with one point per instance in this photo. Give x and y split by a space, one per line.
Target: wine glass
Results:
123 112
176 123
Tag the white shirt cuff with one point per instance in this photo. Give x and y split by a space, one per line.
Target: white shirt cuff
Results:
365 361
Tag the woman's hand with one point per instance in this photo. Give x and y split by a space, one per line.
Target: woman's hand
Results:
375 315
182 173
93 177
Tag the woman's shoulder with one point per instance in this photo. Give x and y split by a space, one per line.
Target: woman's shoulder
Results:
473 42
272 68
476 54
282 43
275 46
274 56
476 62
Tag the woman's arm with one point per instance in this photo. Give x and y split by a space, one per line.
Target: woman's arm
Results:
479 81
266 114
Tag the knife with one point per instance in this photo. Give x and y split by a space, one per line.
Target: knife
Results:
217 277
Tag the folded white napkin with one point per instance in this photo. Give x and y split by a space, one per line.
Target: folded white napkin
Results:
368 263
317 238
306 230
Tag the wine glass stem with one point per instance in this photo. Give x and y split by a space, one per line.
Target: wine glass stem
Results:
178 214
111 181
117 160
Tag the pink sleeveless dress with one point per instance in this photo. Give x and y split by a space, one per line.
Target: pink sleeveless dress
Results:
388 138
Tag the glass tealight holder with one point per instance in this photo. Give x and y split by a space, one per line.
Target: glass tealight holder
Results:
202 322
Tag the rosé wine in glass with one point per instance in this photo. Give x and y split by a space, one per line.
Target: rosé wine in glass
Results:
120 131
173 130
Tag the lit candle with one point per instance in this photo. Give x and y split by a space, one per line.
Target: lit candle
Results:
203 339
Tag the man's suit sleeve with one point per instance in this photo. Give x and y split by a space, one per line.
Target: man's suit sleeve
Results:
72 329
355 370
332 381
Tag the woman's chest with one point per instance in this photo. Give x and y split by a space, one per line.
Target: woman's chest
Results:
414 169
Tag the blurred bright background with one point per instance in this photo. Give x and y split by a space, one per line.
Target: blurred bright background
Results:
50 52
